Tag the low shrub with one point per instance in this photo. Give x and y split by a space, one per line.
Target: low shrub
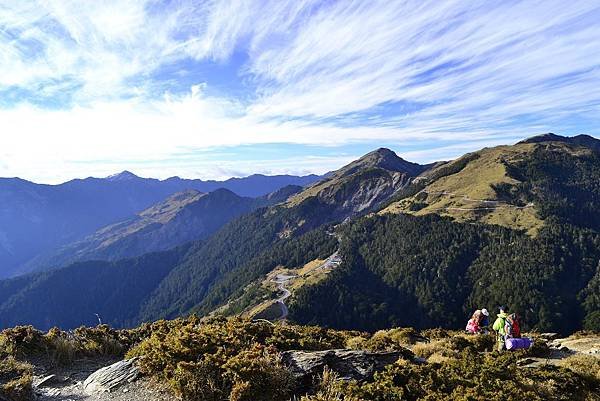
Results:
439 348
389 340
471 376
308 338
21 341
63 347
449 347
15 379
435 333
224 359
587 366
356 342
328 388
256 374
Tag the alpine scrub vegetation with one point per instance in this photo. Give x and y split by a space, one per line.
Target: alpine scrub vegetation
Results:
241 360
56 347
472 376
15 379
227 358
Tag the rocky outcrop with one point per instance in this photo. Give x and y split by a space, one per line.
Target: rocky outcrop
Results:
348 364
587 345
111 377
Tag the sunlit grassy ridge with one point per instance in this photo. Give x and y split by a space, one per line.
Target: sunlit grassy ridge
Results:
470 194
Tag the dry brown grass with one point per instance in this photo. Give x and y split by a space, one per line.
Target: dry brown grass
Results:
587 366
440 348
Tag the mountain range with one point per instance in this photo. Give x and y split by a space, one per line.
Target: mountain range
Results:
413 245
37 219
182 217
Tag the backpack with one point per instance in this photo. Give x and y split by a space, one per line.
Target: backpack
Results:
500 325
515 328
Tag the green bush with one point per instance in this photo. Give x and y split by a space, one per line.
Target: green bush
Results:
20 341
592 321
312 338
389 340
435 333
62 347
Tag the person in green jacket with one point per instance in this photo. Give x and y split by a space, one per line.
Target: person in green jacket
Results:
498 327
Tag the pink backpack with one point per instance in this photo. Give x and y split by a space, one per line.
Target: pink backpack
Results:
473 326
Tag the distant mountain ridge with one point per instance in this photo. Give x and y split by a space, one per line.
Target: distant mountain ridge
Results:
492 185
253 186
183 217
38 218
577 140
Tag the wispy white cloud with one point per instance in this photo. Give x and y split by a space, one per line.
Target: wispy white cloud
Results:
82 80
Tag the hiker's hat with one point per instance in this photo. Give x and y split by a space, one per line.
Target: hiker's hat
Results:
485 312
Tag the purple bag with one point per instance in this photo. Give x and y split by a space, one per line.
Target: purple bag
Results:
518 343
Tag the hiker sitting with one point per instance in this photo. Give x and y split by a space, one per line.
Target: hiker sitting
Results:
473 326
499 327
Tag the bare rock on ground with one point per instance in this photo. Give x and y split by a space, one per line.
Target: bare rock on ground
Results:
348 364
111 377
588 345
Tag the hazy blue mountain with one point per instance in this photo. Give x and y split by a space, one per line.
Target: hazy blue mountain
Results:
37 218
183 217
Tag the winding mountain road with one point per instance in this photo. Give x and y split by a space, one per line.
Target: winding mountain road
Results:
281 280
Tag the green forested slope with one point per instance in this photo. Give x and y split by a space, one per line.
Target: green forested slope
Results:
73 296
430 271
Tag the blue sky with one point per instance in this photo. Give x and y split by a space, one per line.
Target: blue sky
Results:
213 89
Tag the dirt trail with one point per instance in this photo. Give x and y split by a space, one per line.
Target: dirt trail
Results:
490 204
562 348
